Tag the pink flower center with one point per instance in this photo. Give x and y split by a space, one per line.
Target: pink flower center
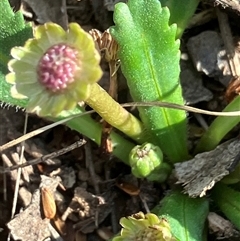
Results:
57 67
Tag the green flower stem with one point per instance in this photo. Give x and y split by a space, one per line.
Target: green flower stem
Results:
112 112
219 128
93 130
181 12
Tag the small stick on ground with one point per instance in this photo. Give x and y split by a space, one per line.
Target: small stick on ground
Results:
45 157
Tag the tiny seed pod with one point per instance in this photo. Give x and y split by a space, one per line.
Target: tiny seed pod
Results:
48 202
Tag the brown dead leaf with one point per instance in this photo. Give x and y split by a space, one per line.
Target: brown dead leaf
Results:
202 172
48 202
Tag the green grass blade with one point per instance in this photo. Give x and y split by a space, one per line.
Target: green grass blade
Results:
219 128
228 201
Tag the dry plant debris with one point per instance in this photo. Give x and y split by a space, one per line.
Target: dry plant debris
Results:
109 4
91 209
30 224
221 227
231 5
192 85
202 172
210 56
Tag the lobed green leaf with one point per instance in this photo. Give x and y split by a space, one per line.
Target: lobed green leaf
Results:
181 12
149 57
13 32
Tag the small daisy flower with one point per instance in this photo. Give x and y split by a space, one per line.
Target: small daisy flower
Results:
148 227
55 69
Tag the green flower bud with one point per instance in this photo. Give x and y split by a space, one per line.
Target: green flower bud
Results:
145 159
